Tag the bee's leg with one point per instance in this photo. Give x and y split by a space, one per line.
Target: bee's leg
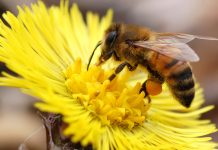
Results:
107 55
121 67
143 89
151 87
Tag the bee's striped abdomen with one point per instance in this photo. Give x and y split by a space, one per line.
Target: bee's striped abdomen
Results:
181 82
178 75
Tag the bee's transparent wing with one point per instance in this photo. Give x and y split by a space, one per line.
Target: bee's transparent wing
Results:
173 45
180 37
180 51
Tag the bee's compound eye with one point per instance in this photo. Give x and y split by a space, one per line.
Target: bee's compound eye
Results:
111 38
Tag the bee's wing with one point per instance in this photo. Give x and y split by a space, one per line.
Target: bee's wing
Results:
180 37
173 45
180 51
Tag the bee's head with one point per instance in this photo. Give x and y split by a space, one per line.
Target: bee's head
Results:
108 45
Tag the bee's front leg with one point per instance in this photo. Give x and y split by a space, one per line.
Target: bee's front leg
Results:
121 67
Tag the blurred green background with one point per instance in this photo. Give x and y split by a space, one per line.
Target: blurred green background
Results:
199 17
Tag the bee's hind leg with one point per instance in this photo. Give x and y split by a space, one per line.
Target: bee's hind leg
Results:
151 87
143 89
121 67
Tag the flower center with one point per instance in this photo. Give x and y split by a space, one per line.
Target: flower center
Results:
113 102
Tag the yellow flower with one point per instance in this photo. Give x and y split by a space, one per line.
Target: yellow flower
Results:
49 50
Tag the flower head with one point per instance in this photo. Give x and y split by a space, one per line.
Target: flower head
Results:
49 49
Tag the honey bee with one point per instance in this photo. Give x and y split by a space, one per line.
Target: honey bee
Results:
166 56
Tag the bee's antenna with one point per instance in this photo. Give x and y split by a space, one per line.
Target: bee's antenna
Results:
90 59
